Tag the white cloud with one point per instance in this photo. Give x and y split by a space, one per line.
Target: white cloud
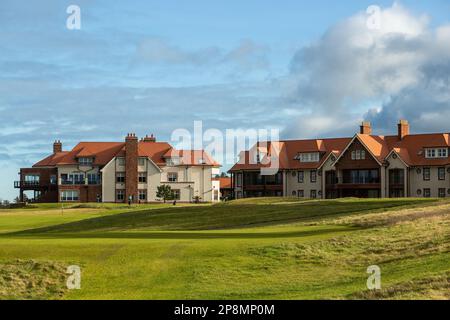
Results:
352 64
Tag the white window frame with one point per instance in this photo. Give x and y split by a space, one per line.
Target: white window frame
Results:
309 157
141 162
436 153
85 161
122 193
143 193
170 176
69 195
142 175
121 175
121 161
358 154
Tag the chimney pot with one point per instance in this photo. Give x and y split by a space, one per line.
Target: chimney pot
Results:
152 138
403 129
365 128
57 146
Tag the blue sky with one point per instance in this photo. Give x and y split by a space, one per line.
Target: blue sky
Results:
307 68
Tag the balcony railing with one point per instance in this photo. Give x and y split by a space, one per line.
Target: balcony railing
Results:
352 181
33 184
80 182
22 184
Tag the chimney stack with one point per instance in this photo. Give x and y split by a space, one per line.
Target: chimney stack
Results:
366 128
403 129
131 167
152 138
57 146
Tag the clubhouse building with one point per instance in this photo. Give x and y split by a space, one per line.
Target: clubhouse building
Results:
120 172
364 166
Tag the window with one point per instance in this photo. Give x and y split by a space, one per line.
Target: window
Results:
436 153
72 178
313 194
301 177
53 179
301 193
442 153
70 195
358 155
32 179
93 178
309 157
120 195
427 193
239 179
142 195
441 173
121 161
426 174
142 177
172 176
441 192
176 194
141 162
85 161
294 193
313 176
120 177
173 161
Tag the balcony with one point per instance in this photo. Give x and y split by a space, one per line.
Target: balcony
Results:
80 182
25 184
32 185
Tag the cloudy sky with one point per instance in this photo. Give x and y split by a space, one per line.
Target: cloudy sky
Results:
308 68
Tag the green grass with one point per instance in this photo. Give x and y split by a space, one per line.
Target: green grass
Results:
247 249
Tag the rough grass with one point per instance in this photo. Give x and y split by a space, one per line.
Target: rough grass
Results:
433 287
282 249
240 214
30 279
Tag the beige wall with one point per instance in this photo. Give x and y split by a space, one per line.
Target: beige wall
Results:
108 182
306 186
417 182
192 181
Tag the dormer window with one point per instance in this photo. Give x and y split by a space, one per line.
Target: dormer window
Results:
84 161
308 157
434 153
175 161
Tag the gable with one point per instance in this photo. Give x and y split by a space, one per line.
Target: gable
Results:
346 162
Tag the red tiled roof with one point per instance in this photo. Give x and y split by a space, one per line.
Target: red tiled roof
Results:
51 160
286 151
225 182
103 152
410 149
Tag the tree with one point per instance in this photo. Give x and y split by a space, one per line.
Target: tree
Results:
164 192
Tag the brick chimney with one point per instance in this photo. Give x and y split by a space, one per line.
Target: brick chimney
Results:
57 146
152 138
365 128
403 129
131 167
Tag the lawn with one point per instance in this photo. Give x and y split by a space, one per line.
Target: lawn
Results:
247 249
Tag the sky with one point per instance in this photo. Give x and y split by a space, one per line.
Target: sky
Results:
307 68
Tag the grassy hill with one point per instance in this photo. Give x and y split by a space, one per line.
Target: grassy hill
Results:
247 249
